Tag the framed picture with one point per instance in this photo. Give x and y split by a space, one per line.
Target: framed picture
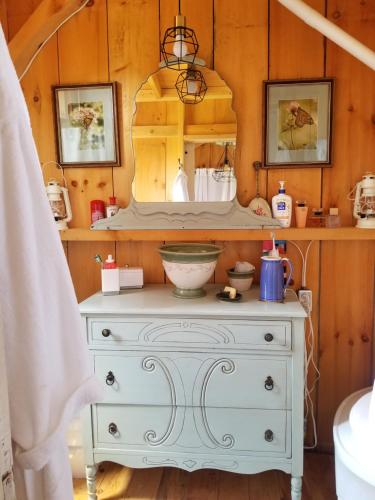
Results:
86 125
297 122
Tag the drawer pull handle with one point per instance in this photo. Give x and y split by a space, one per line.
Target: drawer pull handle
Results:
268 337
268 435
110 379
112 429
106 332
268 384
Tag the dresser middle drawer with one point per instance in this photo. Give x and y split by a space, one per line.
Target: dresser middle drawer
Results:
194 379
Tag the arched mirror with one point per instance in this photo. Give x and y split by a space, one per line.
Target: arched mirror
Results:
184 157
184 152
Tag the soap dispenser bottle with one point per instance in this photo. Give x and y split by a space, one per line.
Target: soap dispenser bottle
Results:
282 206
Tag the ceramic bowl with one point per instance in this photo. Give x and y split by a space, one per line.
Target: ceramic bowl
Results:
189 266
241 281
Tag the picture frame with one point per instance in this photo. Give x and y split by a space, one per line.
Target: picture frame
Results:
86 125
298 123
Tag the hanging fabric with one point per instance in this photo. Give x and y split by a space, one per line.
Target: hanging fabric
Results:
49 372
211 184
180 186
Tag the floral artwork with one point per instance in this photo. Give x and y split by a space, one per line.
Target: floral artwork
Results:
298 124
86 125
88 116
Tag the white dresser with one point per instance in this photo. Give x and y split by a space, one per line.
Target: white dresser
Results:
196 383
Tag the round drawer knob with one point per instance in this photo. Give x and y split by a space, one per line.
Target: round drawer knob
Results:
268 337
112 428
110 379
268 384
268 435
106 332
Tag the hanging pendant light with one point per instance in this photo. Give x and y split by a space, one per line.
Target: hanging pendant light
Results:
180 45
191 86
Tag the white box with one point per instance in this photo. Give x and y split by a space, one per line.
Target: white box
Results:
131 277
111 281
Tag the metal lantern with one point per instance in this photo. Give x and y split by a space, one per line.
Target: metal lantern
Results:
180 45
191 86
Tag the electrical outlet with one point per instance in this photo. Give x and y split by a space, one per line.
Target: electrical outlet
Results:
305 297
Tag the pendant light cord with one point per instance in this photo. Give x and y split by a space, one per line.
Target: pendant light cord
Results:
179 7
82 6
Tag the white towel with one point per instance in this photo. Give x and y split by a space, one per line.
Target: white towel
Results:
180 188
49 371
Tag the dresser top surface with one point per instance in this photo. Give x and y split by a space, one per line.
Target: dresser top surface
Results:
158 300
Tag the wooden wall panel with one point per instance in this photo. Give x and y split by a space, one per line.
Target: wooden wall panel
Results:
18 12
298 52
37 89
246 42
347 316
241 59
143 254
354 127
83 268
347 305
83 57
133 38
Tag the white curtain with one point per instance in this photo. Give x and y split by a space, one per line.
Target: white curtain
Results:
213 184
180 187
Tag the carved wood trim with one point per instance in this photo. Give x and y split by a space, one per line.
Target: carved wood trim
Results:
149 364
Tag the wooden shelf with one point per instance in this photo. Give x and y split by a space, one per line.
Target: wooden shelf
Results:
324 234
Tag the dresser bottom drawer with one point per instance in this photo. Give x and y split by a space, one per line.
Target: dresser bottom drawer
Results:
192 429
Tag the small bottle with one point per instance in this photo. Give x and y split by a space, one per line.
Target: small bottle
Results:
112 207
282 206
301 213
333 219
317 218
97 210
110 263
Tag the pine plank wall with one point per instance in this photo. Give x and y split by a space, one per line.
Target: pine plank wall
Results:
246 42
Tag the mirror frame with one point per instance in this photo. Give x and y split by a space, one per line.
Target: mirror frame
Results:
182 215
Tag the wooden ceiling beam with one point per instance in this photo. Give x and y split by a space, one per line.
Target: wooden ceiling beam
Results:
42 23
155 86
147 95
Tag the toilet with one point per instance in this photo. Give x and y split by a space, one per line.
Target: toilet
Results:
354 440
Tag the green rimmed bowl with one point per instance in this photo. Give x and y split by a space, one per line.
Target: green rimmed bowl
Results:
241 281
189 266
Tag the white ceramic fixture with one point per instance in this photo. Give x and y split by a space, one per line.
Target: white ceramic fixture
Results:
189 266
354 438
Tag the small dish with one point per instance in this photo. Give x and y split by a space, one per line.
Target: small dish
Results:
225 296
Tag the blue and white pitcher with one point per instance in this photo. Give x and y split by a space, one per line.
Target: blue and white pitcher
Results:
272 288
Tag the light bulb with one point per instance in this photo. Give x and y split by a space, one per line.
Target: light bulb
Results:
192 86
179 47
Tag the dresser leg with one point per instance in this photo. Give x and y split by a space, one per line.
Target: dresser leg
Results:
91 482
296 488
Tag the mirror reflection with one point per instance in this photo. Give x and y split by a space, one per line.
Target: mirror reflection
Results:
183 152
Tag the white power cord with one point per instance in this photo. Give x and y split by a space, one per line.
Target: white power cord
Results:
85 2
309 352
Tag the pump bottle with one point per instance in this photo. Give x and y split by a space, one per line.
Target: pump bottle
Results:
282 206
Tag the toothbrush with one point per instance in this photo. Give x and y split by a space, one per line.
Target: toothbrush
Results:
274 252
98 259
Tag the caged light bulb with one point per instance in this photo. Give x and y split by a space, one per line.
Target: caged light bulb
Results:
192 86
180 48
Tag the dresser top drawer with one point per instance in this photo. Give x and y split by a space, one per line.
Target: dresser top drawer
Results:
189 333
